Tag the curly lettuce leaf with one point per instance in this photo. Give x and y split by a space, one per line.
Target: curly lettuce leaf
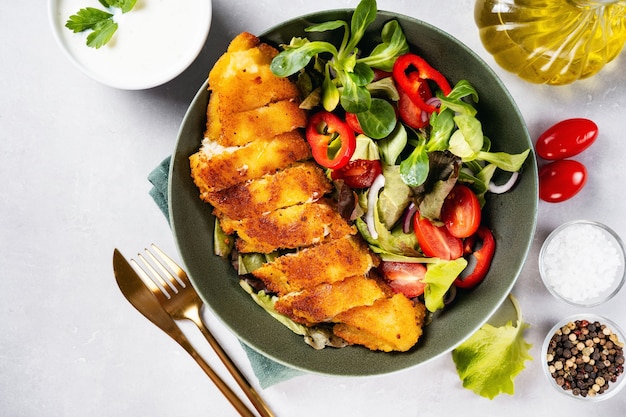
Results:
394 198
491 358
389 242
316 337
267 301
439 278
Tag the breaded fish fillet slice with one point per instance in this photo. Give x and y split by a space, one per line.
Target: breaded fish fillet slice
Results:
301 182
325 263
230 166
243 92
288 228
243 79
390 324
244 51
238 129
325 301
243 41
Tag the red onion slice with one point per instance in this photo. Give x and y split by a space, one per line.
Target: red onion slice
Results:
407 220
503 188
372 198
434 101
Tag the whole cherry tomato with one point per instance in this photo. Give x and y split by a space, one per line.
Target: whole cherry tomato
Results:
561 180
566 139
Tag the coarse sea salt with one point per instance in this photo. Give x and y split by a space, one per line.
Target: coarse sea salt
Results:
582 262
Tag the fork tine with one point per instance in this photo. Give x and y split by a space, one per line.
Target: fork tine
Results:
181 275
165 273
147 279
167 289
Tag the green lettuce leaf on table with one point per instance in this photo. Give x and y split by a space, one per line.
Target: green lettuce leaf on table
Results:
491 358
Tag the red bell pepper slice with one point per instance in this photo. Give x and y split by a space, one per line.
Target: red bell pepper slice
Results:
325 132
404 70
483 256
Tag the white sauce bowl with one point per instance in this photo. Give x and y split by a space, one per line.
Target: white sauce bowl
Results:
155 42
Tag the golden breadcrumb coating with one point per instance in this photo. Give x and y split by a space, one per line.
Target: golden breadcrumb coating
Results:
325 263
301 182
241 128
390 324
288 228
243 41
243 79
325 301
232 166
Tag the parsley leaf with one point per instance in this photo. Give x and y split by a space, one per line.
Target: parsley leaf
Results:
87 18
103 32
99 21
125 5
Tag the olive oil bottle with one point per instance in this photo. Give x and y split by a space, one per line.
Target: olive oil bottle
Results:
552 41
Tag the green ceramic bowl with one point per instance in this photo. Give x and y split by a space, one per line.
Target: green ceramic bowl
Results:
512 217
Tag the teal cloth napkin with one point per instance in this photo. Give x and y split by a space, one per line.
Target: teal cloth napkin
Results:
267 371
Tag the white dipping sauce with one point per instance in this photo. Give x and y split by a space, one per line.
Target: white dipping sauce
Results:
154 42
582 262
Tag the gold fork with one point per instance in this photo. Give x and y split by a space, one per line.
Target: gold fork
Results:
181 301
138 294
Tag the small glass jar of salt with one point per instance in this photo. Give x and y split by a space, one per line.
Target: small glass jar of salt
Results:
582 263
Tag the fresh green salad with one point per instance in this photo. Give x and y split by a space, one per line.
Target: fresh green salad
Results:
411 167
406 152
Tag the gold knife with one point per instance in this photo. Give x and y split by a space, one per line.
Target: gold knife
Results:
147 304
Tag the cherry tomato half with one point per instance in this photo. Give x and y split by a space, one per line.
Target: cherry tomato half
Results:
436 241
561 180
566 139
380 74
353 121
358 173
461 212
408 111
404 277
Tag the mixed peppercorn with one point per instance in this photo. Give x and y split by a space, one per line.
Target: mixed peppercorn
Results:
585 357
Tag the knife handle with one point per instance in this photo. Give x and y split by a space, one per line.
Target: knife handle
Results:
193 314
182 340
